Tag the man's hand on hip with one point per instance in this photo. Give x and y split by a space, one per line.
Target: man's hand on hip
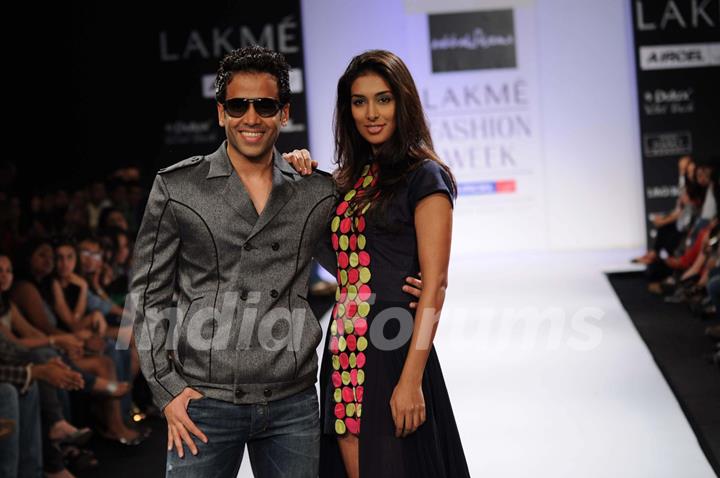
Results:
179 424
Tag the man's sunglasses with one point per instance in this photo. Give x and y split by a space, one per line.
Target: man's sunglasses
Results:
265 107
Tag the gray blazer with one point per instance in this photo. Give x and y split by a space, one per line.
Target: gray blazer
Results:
218 293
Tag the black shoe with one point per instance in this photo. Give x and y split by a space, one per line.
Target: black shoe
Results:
677 297
77 459
689 281
78 438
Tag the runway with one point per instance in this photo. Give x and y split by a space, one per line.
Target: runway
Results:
548 376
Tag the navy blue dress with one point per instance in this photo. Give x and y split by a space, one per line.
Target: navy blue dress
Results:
369 336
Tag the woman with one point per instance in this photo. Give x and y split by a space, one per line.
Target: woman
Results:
385 408
70 293
674 226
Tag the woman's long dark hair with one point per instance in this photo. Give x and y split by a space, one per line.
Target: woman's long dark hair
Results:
23 269
695 191
408 147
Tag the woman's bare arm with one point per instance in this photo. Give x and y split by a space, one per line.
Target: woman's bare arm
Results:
433 225
62 309
80 308
30 302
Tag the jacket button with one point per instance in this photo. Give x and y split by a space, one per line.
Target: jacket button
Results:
243 295
275 246
247 246
239 393
267 392
274 294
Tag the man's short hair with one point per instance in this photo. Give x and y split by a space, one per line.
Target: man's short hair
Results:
253 59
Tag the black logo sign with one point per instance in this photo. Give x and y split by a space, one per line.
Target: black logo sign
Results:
676 143
472 40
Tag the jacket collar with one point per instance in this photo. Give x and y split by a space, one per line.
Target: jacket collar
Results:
236 196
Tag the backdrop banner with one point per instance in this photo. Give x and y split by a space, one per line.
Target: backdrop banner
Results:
677 48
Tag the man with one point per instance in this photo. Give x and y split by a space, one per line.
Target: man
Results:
230 236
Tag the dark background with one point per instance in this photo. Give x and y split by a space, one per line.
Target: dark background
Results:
89 93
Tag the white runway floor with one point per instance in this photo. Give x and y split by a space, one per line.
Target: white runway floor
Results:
548 376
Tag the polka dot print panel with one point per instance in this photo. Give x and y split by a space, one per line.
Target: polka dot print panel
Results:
349 325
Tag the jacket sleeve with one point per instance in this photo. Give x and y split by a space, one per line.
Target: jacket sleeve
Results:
151 294
324 254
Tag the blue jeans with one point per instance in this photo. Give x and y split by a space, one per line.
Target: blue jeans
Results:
21 452
283 439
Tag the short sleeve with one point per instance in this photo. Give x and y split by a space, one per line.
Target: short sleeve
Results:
428 179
